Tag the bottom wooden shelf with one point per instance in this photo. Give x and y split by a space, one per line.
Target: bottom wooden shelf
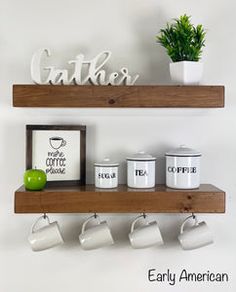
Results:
86 199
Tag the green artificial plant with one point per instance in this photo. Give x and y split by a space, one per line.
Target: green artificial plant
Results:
182 40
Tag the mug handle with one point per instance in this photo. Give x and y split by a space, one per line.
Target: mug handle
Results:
186 220
63 143
33 228
87 221
136 220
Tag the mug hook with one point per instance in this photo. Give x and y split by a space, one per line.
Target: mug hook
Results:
195 218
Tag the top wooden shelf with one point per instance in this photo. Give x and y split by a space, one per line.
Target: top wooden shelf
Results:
88 96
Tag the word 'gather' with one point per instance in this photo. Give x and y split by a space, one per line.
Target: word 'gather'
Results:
84 71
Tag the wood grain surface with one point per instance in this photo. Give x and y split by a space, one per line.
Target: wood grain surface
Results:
87 96
88 199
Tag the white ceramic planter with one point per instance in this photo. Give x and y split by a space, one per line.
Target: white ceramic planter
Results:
141 170
186 72
106 174
183 168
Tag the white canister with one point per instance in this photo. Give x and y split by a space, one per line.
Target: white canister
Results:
106 174
183 168
141 170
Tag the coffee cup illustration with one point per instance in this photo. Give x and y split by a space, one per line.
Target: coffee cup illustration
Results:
57 142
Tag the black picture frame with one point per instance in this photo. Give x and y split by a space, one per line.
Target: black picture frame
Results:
29 151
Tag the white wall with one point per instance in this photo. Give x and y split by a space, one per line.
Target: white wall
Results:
128 29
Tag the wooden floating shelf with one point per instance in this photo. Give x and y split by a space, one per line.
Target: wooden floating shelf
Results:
88 96
88 199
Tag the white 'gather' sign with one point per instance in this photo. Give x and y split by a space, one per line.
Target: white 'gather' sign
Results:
92 70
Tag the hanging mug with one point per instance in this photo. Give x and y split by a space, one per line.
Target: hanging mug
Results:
195 236
146 235
45 237
96 236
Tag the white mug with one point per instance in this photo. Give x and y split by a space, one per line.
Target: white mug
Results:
146 235
45 237
96 236
196 236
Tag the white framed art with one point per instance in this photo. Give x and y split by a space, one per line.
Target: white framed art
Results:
58 150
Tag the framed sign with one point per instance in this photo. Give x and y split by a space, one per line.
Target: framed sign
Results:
58 150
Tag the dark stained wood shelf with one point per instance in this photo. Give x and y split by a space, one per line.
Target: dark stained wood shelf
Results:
88 96
88 199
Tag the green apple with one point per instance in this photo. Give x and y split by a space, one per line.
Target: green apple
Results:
35 179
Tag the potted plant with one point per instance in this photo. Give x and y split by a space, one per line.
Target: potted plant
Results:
184 43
